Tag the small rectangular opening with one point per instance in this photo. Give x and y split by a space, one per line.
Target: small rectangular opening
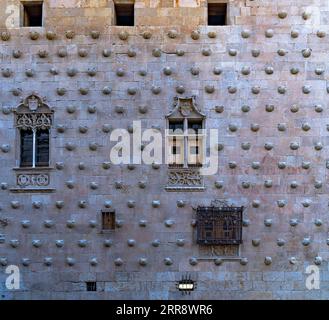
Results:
32 13
217 14
124 14
91 286
108 220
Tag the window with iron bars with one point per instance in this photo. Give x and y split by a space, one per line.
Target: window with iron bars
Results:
219 225
91 286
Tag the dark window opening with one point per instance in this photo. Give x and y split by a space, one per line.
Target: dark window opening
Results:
26 148
91 286
125 14
34 148
32 14
108 220
219 225
217 14
42 148
194 126
176 150
177 126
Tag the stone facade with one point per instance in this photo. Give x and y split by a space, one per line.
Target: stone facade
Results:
262 81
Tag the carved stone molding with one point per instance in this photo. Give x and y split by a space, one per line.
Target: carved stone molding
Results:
185 107
39 179
180 179
219 251
33 180
33 121
33 113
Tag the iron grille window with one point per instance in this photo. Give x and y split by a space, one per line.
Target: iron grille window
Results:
219 225
108 220
91 286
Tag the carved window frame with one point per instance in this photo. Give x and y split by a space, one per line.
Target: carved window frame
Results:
185 111
32 113
185 177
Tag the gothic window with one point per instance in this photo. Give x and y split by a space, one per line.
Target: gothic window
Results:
219 225
33 121
185 146
185 137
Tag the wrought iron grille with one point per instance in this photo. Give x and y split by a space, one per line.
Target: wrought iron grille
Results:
219 225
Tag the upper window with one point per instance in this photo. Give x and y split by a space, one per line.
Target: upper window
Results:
185 137
217 13
185 142
32 13
124 13
33 121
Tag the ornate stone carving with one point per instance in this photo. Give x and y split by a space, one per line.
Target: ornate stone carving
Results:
219 251
33 120
185 106
184 179
38 179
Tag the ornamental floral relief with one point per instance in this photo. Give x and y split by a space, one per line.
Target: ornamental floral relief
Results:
33 121
184 179
38 179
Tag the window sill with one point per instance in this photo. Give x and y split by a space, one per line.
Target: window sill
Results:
107 231
31 27
33 169
224 258
32 190
185 189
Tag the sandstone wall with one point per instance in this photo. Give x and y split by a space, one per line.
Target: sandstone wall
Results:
270 105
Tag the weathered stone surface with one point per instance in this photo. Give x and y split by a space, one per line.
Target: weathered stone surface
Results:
261 81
